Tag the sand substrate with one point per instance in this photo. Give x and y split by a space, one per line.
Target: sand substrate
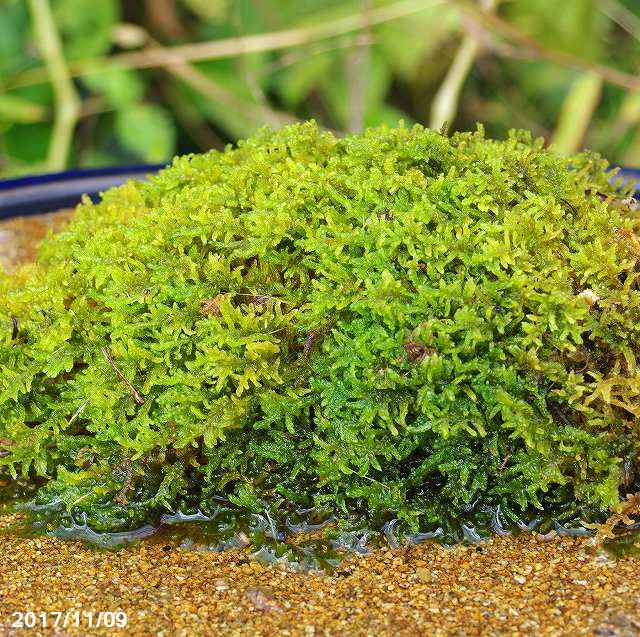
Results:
506 586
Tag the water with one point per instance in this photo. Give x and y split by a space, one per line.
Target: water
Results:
304 539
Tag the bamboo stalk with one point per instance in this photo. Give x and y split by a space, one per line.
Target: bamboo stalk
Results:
446 100
577 112
358 67
67 104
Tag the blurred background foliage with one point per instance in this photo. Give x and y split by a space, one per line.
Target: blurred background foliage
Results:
102 82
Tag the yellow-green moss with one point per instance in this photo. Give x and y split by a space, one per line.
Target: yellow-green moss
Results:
396 323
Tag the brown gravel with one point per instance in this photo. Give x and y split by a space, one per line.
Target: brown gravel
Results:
508 586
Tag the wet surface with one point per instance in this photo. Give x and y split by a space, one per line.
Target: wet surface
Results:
302 539
19 237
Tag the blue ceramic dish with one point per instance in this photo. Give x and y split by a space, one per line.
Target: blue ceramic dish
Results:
631 174
44 193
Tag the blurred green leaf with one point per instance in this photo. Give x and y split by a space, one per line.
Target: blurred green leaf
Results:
632 154
574 26
28 142
147 131
13 29
542 84
408 42
232 121
96 157
375 84
296 81
213 10
86 25
630 108
387 114
120 87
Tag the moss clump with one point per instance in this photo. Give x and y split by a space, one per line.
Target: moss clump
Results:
397 323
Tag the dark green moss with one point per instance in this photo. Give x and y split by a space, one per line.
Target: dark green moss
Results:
392 324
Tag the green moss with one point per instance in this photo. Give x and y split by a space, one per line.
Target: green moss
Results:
391 324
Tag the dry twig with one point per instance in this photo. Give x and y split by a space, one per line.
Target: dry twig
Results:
535 49
134 392
232 47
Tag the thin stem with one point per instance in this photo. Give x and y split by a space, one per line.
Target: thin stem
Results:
295 56
445 103
231 47
134 392
535 49
200 82
358 66
67 107
624 18
203 84
78 411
